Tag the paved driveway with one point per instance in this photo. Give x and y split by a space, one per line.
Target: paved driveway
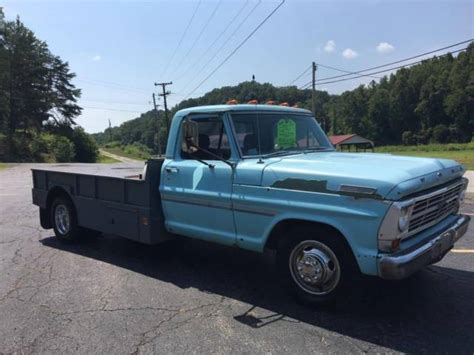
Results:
117 296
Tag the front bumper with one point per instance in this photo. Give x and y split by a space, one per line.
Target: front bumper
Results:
405 263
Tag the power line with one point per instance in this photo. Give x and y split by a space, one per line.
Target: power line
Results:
345 71
109 109
114 102
200 34
112 85
182 38
328 67
239 46
398 61
324 81
223 45
77 103
299 76
215 40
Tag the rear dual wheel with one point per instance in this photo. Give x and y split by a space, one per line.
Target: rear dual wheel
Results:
64 221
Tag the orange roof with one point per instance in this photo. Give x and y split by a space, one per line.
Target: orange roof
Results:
335 140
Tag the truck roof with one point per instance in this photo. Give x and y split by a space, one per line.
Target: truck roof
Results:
241 107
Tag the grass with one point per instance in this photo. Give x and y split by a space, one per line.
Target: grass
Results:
106 160
462 153
133 151
129 151
3 166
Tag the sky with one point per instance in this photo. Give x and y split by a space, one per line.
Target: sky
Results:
119 49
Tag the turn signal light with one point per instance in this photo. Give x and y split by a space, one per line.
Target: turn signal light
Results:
395 244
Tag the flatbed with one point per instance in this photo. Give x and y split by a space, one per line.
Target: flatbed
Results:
120 199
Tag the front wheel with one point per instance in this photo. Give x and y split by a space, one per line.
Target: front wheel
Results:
315 265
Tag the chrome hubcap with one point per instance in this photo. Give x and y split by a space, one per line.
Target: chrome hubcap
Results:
61 218
314 267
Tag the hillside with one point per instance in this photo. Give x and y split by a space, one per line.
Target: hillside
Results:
429 102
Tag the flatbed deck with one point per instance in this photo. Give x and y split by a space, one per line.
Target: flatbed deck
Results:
119 170
115 199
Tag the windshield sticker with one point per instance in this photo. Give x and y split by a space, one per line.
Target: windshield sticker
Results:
286 133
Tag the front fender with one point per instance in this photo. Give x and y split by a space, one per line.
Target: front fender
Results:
258 210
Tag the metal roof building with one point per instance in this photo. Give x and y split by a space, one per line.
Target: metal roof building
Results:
346 141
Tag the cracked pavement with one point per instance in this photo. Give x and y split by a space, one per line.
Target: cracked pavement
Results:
113 295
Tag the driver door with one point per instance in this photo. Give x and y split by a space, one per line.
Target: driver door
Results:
197 197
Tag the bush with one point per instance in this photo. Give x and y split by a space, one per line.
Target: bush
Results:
440 134
408 138
63 149
85 147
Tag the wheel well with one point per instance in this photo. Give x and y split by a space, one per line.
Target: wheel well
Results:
45 214
280 231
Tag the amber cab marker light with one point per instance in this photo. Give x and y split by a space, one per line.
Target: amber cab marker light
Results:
270 102
232 102
284 104
253 102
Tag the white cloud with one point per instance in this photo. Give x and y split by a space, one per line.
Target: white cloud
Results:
330 46
385 47
96 58
349 53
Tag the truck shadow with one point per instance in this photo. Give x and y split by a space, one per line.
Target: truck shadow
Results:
430 312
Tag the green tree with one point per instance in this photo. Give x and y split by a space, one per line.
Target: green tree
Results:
85 147
35 86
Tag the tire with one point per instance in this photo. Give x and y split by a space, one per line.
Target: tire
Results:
64 220
315 264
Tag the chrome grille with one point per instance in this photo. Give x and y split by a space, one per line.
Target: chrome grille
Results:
434 207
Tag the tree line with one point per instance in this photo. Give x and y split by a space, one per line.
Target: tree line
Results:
38 102
431 102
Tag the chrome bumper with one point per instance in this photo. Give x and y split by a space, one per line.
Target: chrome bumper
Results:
401 265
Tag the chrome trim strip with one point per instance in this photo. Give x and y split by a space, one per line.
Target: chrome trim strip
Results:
237 207
197 201
438 192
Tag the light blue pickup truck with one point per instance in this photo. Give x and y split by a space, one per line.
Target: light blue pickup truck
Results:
262 177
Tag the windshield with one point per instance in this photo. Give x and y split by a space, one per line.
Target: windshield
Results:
268 134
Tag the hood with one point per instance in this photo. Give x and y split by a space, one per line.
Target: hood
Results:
382 175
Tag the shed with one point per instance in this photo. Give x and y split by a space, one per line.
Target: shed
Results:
346 141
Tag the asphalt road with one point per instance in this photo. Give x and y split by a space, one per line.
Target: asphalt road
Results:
116 296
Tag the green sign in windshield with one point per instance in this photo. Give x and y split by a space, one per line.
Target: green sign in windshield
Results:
286 133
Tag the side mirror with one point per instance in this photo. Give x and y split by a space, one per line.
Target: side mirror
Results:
190 136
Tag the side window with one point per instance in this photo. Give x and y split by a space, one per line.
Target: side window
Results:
213 140
245 126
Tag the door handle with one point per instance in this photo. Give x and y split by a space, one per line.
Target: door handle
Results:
172 170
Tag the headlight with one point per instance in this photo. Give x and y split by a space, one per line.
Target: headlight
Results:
404 219
395 225
462 196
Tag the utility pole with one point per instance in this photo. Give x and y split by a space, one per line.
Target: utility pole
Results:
313 97
110 131
155 106
164 94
